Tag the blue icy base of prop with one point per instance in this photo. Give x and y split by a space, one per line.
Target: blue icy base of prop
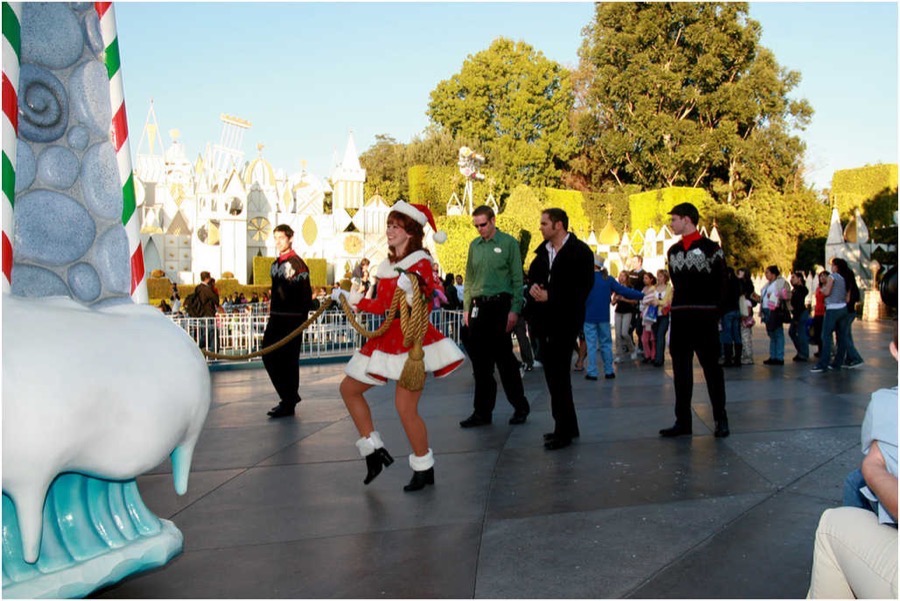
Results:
96 532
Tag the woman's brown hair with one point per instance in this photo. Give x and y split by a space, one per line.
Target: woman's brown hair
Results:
413 228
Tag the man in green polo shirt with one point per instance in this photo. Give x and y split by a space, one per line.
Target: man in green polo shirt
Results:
492 302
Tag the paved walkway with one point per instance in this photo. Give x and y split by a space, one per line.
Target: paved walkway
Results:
277 508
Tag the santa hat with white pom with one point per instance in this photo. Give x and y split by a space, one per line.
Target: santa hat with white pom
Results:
422 215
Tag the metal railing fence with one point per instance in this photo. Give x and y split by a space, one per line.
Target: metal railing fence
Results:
241 332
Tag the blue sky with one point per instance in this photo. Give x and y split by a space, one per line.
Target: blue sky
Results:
306 73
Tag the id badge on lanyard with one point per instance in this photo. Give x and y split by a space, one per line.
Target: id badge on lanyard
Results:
474 313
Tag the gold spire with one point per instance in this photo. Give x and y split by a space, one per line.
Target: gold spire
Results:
609 235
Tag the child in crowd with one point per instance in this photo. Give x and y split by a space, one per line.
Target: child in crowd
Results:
648 317
623 313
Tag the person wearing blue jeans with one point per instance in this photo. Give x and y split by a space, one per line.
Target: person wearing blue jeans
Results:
598 336
799 316
836 320
596 319
775 331
730 334
773 294
854 359
833 325
661 327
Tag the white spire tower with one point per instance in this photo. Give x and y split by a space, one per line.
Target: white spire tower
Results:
150 164
347 180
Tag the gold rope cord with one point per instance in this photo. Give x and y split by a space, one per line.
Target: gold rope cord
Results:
413 324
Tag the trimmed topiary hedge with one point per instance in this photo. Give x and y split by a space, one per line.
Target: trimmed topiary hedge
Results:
595 204
432 186
652 208
159 287
520 220
452 254
572 202
851 188
262 276
318 272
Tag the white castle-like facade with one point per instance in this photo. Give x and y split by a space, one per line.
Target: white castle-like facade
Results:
217 213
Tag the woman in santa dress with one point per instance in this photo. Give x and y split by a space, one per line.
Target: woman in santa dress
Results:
382 358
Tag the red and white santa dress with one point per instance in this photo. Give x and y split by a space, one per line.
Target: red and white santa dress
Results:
382 358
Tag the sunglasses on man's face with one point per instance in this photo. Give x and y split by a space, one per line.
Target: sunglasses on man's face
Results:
481 225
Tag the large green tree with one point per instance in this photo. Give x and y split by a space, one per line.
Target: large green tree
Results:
435 147
385 164
682 94
513 104
773 229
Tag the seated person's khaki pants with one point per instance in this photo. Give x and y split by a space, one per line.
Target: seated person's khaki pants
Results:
854 556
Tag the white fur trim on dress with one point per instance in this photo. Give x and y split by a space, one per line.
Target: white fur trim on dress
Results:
438 355
387 270
420 464
365 447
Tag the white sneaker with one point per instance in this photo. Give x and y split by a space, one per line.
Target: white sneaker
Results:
634 355
617 360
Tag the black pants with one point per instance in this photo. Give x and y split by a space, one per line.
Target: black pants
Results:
557 350
489 344
696 332
525 349
281 365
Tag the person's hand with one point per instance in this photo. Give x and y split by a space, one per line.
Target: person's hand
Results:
466 318
354 297
538 293
511 321
337 293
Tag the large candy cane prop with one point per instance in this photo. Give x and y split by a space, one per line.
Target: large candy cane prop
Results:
119 135
12 17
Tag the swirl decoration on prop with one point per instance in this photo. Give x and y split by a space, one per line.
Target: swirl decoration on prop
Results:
43 105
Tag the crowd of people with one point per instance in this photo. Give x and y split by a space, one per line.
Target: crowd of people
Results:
639 328
568 304
562 307
639 303
213 303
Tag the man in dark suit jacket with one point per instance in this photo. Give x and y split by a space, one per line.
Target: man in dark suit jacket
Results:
562 275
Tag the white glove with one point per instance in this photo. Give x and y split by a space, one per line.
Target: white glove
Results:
337 293
354 297
404 283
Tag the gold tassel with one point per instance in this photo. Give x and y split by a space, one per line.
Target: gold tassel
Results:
414 322
413 376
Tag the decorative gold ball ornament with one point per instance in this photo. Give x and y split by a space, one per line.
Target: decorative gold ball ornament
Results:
353 244
310 231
